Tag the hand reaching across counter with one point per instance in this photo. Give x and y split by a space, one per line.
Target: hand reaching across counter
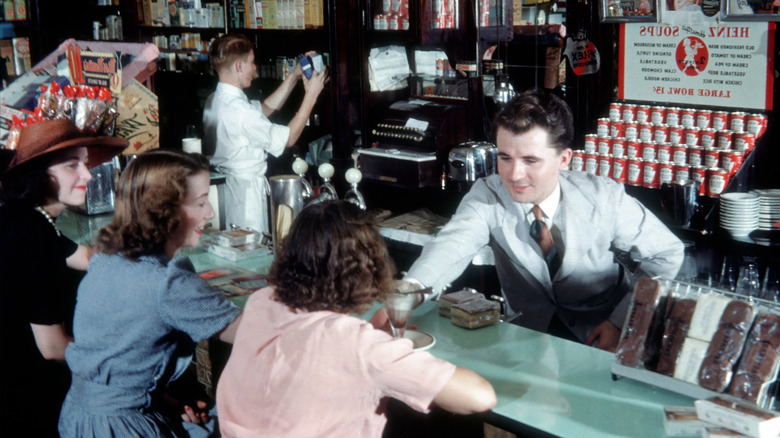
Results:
604 336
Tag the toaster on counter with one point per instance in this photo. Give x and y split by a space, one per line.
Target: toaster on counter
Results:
472 160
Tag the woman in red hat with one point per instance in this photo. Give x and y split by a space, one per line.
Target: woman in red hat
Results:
49 172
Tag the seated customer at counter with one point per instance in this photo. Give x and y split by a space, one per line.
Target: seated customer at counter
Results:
301 366
139 310
551 230
49 172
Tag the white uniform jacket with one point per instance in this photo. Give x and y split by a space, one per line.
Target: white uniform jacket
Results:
594 213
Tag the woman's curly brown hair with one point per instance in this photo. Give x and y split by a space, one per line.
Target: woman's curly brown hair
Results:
149 194
332 259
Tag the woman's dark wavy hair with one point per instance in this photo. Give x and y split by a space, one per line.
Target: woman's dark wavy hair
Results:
538 108
150 191
333 259
30 182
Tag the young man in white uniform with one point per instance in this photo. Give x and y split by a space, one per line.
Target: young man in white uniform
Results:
239 132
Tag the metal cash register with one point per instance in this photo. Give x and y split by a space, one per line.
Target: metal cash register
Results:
410 146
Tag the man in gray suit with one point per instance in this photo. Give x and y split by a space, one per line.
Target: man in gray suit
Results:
554 261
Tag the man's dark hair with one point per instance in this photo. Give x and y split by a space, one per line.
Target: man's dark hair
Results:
538 108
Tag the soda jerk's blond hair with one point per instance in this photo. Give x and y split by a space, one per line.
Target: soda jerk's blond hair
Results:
229 48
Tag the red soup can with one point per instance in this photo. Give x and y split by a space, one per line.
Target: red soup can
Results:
577 161
673 116
682 173
633 149
720 120
617 128
658 115
631 132
650 174
708 137
676 135
731 161
619 169
687 118
692 136
680 154
737 121
703 119
646 131
695 155
665 173
590 142
634 171
615 111
663 152
629 112
710 158
602 127
716 180
649 151
723 139
755 124
604 145
643 113
699 174
618 147
661 133
605 165
744 142
591 163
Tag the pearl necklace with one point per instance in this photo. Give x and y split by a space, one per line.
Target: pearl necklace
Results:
48 217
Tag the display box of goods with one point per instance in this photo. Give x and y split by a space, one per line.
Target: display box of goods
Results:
700 341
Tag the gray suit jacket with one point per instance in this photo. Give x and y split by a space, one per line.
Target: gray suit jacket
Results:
593 214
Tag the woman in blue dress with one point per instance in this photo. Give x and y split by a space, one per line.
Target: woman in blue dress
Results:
48 172
139 309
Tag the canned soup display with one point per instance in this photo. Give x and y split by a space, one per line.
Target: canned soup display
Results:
648 146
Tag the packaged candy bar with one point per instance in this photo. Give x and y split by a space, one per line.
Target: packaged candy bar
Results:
726 346
758 366
675 331
637 344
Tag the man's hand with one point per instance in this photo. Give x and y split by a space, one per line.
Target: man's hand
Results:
605 337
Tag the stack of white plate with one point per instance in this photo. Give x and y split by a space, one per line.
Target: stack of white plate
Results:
769 213
739 213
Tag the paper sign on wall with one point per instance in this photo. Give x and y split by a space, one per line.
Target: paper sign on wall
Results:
705 64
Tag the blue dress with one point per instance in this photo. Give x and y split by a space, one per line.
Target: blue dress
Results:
135 326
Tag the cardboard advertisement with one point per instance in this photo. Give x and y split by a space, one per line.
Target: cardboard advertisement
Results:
139 119
708 64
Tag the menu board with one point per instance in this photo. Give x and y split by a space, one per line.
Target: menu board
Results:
705 64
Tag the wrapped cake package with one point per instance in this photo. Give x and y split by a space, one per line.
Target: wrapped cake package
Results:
476 313
739 416
690 360
758 366
675 331
643 324
726 346
706 318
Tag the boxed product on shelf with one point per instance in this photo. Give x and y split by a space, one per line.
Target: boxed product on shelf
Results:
735 415
700 341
